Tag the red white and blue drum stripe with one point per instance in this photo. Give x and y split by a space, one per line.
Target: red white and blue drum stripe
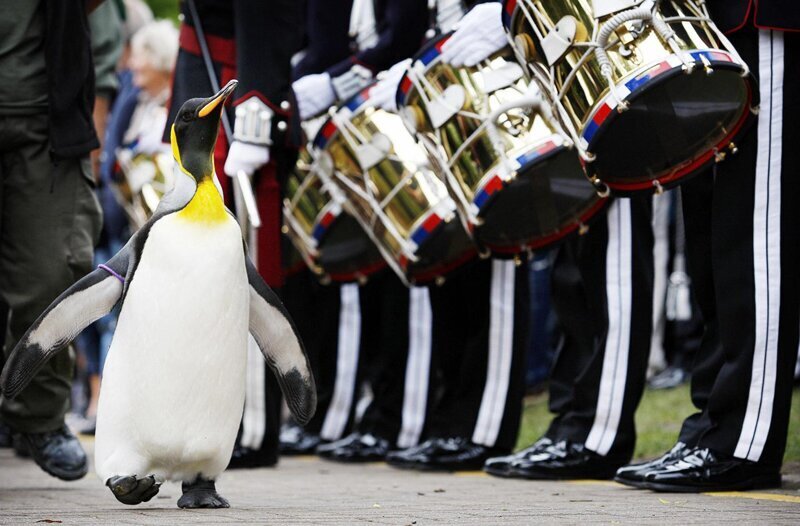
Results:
426 229
352 104
495 183
642 79
424 57
323 224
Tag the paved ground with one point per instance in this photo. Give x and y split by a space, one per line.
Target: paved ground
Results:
310 491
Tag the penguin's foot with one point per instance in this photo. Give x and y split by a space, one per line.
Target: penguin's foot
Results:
201 494
133 490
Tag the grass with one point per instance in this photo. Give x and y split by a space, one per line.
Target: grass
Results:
658 421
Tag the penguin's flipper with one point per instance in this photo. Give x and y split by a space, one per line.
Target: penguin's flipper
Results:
276 336
86 301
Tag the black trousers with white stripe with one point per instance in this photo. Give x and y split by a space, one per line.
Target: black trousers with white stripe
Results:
602 292
479 331
396 348
743 251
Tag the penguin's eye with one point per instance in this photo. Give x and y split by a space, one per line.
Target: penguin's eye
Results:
186 117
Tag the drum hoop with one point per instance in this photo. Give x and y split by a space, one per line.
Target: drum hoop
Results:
544 150
640 80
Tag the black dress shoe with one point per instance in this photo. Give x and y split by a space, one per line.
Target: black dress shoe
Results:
459 454
443 454
409 458
57 452
355 447
565 460
634 474
501 466
701 469
246 458
669 378
294 440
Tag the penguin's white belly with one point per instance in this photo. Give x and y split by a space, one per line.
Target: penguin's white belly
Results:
173 383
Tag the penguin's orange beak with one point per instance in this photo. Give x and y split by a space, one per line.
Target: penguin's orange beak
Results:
218 99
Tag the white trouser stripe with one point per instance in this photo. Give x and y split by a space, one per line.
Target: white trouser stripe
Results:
619 294
501 342
415 395
254 421
766 248
346 363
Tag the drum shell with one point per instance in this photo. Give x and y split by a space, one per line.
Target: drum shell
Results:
399 200
545 196
332 243
629 145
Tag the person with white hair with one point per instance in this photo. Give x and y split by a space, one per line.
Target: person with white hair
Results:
154 49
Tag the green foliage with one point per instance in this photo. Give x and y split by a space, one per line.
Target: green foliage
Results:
164 8
658 422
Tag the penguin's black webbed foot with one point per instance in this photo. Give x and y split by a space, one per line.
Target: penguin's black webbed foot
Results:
201 494
133 490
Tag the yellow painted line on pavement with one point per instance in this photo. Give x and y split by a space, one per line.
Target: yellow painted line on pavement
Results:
777 497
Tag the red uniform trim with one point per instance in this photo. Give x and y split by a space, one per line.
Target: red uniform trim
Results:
223 50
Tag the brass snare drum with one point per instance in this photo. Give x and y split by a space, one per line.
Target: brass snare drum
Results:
330 240
392 189
649 93
519 183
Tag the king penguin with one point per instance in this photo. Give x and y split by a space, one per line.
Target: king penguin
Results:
174 379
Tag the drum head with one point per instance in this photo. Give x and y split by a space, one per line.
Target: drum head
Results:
346 252
547 200
448 247
672 121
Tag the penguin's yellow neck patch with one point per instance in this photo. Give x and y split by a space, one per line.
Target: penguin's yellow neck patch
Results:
206 206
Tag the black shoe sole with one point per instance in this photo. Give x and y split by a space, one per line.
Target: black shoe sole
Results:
763 482
496 472
543 475
639 484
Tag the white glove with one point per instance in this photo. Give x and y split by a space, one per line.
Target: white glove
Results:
480 33
314 94
245 156
384 94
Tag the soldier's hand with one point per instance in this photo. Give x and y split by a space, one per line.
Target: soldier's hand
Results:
314 94
480 33
247 157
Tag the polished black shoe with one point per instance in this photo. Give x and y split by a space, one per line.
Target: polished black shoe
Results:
294 440
57 452
409 458
246 458
460 454
501 466
565 460
634 474
701 469
355 447
444 454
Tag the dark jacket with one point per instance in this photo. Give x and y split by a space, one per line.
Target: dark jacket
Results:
732 15
70 78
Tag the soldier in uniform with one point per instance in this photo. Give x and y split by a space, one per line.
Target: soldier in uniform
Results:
233 32
743 255
602 293
372 340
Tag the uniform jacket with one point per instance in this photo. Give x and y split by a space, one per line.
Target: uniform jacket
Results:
732 15
266 36
401 29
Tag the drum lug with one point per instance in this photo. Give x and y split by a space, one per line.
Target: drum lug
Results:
362 279
440 280
658 188
583 228
600 187
719 156
733 148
